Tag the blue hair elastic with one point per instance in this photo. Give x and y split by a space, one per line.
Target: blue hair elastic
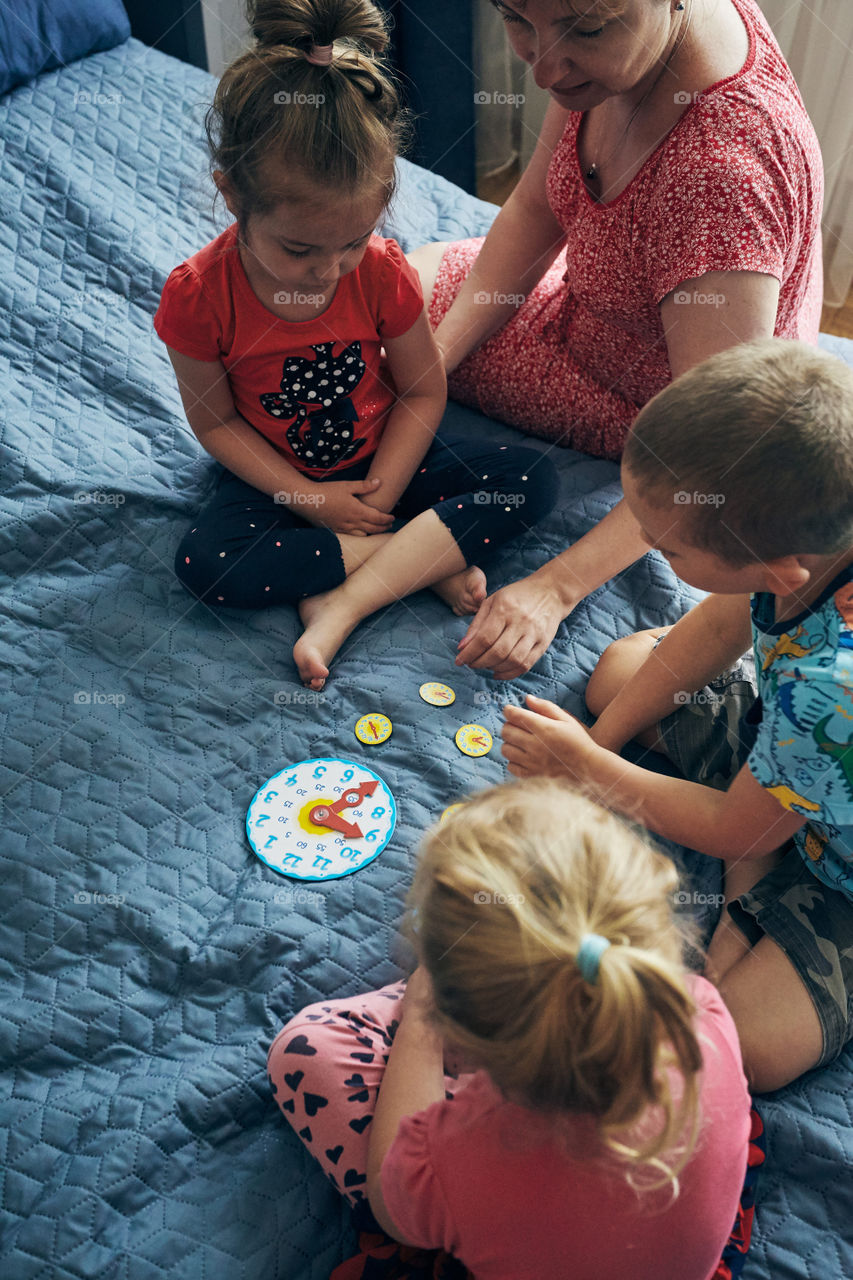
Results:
589 953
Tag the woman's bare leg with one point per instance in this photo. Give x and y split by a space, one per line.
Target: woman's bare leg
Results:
426 260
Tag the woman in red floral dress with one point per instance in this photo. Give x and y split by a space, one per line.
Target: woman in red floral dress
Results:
671 209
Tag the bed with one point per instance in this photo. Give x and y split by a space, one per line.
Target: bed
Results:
148 957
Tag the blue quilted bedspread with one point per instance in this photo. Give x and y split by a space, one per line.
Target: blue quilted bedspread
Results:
148 957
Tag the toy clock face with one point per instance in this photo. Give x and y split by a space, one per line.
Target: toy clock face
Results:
321 819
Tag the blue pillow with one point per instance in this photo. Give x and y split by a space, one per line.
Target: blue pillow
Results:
37 35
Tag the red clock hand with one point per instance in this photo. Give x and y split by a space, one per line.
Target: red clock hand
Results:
323 815
354 796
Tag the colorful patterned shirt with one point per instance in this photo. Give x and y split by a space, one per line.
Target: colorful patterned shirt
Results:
804 751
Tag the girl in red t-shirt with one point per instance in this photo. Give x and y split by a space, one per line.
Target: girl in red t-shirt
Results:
305 360
600 1126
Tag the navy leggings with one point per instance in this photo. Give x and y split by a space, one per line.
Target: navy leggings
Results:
244 550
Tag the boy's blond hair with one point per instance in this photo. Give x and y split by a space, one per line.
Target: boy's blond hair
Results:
504 892
757 444
280 126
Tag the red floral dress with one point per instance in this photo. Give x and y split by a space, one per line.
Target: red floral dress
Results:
737 185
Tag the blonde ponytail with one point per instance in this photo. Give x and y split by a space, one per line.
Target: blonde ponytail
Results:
505 891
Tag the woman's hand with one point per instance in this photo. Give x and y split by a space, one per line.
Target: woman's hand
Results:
513 628
546 742
337 505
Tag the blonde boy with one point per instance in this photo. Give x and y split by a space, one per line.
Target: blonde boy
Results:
741 474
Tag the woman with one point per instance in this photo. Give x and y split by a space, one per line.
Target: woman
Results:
679 180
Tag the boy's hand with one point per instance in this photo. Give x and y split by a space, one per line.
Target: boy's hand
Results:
339 507
545 741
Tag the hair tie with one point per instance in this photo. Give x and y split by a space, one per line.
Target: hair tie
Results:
589 953
320 55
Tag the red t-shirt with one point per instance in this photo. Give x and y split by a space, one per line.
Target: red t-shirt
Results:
486 1180
318 389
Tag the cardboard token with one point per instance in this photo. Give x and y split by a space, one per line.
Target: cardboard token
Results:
473 740
373 729
437 695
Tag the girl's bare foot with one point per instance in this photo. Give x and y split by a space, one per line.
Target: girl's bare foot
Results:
464 591
327 625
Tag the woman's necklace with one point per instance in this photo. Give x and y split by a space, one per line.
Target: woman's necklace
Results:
592 172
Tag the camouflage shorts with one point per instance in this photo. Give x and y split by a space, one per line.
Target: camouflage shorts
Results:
813 924
711 734
709 739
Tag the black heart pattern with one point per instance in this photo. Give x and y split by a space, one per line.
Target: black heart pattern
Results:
352 1081
313 1103
272 1084
305 1133
293 1079
334 1153
363 1057
299 1044
352 1178
288 1105
360 1125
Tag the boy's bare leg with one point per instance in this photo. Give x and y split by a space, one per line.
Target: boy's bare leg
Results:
423 552
778 1027
729 945
615 667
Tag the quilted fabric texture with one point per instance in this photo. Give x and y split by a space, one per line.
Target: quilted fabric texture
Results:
148 956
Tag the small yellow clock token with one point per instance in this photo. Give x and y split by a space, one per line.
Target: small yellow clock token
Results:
451 808
437 695
373 729
473 740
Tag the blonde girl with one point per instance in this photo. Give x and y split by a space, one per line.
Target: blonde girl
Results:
305 361
600 1127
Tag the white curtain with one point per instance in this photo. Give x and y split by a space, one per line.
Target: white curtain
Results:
817 41
226 32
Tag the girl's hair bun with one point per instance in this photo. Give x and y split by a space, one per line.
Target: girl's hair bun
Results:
282 124
300 24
